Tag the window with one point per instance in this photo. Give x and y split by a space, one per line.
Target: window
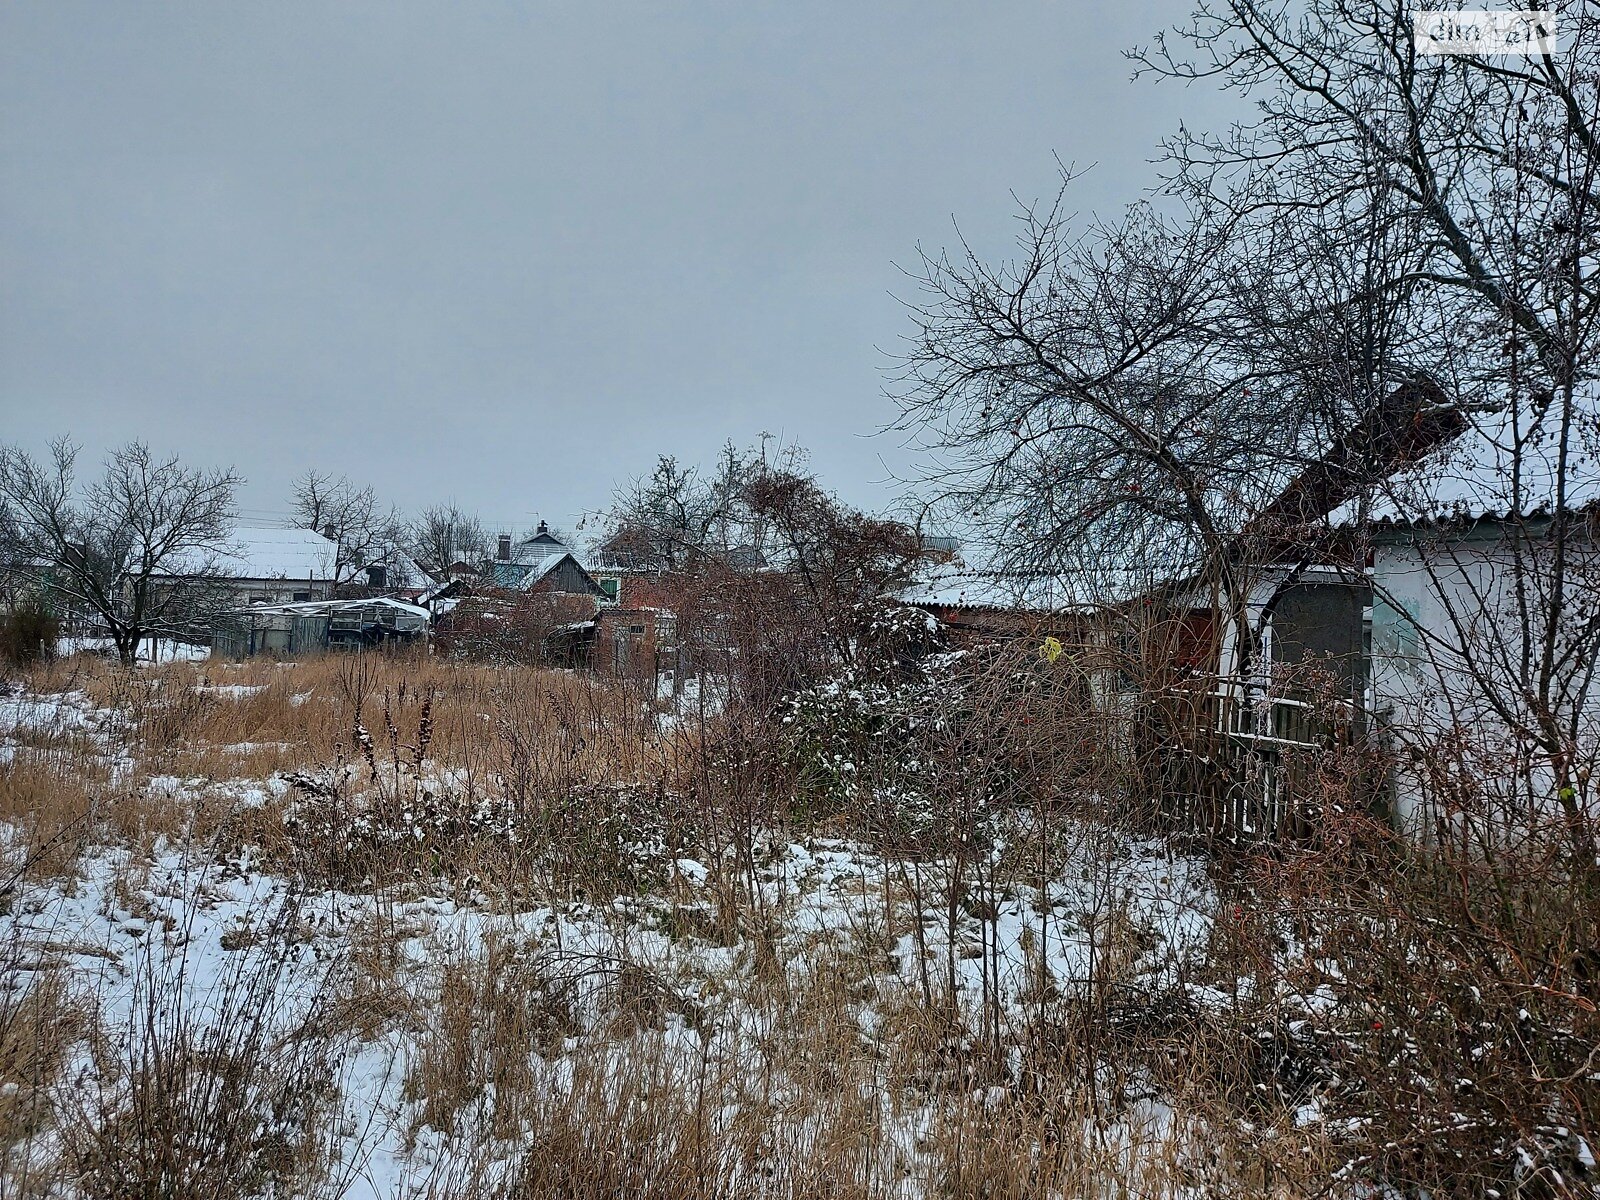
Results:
636 630
1394 631
299 596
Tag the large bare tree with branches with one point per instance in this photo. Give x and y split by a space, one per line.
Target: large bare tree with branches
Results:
444 534
140 549
1490 163
1144 397
351 516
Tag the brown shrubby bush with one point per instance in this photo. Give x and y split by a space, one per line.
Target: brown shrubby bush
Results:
231 1095
29 629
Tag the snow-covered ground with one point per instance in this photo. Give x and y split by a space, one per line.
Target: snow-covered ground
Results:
187 927
157 650
186 921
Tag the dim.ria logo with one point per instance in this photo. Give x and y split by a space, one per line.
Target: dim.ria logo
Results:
1526 34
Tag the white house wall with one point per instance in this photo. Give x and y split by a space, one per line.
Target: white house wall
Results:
1445 638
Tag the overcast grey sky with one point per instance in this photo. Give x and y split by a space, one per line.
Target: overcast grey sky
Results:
505 254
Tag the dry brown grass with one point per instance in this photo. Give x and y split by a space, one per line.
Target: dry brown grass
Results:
614 1083
226 719
555 748
212 1096
39 1024
49 809
492 1013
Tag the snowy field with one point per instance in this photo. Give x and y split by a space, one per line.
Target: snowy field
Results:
374 927
182 941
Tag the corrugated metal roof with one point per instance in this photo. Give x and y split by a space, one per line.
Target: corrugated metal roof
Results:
1492 472
959 586
328 607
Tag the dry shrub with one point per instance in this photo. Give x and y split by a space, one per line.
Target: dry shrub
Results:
508 627
210 1088
490 1014
28 632
1386 1014
40 1025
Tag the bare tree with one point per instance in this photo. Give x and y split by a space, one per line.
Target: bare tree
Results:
1491 165
837 559
680 514
442 535
1106 407
140 549
1125 401
348 515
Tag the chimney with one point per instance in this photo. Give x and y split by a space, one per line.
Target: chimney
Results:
543 529
328 531
503 553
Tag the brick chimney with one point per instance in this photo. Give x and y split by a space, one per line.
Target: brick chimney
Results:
503 552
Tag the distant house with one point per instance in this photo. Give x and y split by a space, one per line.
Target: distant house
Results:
542 564
626 563
515 561
635 642
562 573
263 565
392 570
974 602
24 579
616 571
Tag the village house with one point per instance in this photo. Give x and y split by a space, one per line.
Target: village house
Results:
392 571
1460 621
518 563
262 566
1232 698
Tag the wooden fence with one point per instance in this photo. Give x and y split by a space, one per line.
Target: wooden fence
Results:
1235 763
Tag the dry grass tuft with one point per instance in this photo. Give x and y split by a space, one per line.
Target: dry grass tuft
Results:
39 1025
490 1015
49 808
207 1100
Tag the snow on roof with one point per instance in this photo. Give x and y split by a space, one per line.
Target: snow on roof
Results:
397 558
543 568
959 586
259 553
538 547
317 608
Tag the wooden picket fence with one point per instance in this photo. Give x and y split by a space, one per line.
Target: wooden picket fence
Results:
1230 763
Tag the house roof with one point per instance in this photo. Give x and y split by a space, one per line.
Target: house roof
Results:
1409 423
1490 471
318 608
261 553
545 567
535 550
957 585
537 547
